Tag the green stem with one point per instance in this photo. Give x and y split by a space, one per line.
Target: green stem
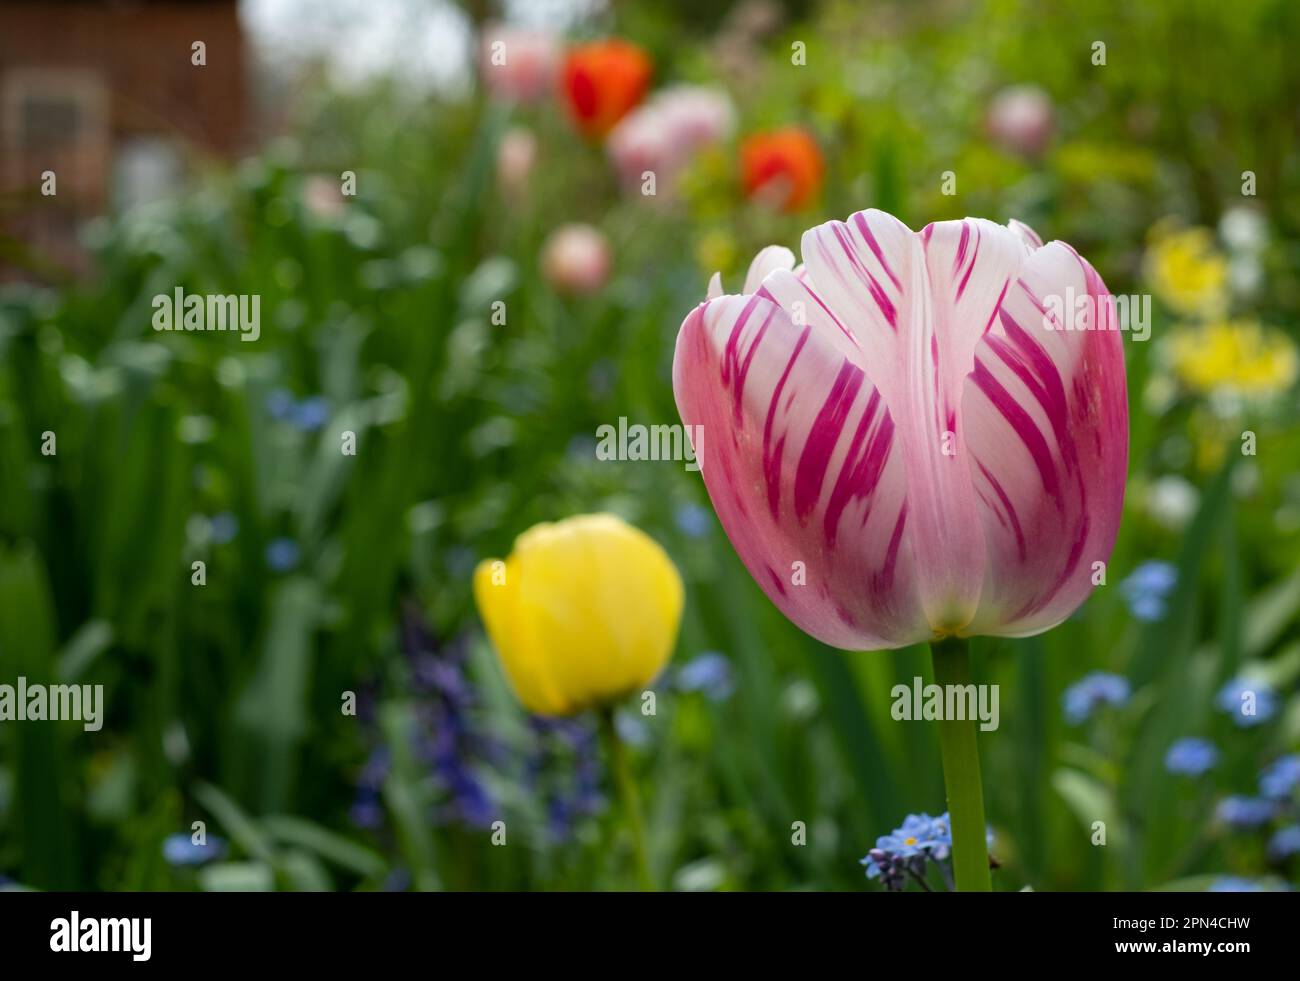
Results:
618 762
961 774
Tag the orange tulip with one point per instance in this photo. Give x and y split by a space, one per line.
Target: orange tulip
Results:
602 82
783 167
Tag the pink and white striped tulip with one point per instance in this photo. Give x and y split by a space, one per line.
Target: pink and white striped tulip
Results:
904 442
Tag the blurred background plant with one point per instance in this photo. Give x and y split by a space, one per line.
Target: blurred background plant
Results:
498 287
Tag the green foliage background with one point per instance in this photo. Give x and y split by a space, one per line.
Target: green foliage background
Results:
223 701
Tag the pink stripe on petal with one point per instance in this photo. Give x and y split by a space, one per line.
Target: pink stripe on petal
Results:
824 439
1026 234
1047 409
864 229
806 471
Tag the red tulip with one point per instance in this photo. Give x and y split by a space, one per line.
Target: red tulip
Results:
899 447
603 81
783 167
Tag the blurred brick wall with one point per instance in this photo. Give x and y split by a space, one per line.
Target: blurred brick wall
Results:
119 70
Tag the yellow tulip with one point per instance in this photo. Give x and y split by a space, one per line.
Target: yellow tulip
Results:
582 613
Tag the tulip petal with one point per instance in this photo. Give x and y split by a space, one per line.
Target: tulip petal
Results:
1047 430
1030 237
919 305
769 259
800 460
601 645
583 612
497 595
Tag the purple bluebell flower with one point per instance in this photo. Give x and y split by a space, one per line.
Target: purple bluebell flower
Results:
1284 843
1245 813
1279 779
1234 883
180 850
471 804
280 405
311 414
1191 757
282 554
398 880
710 674
1147 588
632 728
378 765
367 810
694 521
1093 691
448 738
564 770
1249 702
224 527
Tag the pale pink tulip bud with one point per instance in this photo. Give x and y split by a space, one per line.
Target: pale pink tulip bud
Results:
519 65
516 155
662 136
912 435
1021 119
322 196
576 259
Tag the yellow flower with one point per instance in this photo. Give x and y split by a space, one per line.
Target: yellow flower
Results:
583 612
1186 271
1233 357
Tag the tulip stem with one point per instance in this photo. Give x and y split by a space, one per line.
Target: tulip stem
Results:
618 762
961 773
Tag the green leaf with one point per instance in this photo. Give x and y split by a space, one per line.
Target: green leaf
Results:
327 844
304 872
273 708
1270 614
407 800
237 877
1089 799
43 808
83 648
238 825
1192 883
